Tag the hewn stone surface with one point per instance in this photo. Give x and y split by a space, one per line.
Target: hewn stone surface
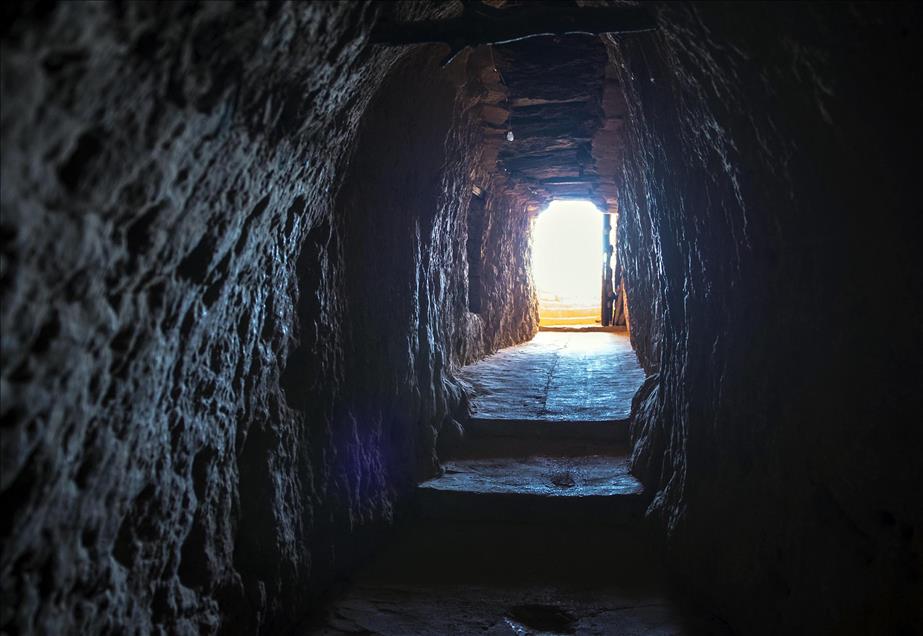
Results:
516 579
770 212
384 610
233 292
232 297
578 491
557 376
550 476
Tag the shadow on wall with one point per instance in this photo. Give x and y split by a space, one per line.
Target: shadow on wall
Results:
767 231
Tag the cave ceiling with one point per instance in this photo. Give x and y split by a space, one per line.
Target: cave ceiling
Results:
552 112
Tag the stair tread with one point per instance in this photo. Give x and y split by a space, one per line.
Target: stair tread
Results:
563 429
545 476
551 419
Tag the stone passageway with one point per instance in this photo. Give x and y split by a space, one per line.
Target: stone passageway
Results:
508 540
263 266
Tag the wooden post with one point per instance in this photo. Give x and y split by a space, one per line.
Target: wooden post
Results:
606 295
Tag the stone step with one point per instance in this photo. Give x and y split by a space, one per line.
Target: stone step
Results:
476 447
593 489
607 431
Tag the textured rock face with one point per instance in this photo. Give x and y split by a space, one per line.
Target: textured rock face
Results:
233 291
234 286
769 210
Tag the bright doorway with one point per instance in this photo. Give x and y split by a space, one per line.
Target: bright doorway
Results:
567 261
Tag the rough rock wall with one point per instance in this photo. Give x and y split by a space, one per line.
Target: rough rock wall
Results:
510 312
770 207
214 389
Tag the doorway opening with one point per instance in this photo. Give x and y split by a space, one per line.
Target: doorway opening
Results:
567 263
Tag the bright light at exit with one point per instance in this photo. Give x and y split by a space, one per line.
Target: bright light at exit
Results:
567 261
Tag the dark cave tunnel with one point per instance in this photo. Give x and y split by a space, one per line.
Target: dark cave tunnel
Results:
249 248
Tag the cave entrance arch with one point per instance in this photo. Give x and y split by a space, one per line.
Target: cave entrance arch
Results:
569 264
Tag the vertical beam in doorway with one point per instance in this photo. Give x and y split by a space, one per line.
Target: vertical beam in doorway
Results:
606 296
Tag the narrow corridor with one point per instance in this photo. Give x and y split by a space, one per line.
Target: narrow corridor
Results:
248 248
508 539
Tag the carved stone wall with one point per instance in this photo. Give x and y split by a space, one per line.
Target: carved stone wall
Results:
768 227
232 298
